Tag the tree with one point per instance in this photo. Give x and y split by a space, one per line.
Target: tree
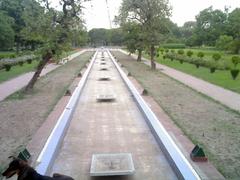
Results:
151 15
116 36
224 42
14 9
174 34
33 16
79 37
99 37
233 29
54 27
210 24
6 32
187 29
234 23
133 38
187 32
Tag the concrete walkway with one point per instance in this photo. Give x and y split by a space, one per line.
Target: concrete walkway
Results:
9 87
112 127
224 96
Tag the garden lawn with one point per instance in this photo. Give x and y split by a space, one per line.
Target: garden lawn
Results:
16 71
208 54
221 78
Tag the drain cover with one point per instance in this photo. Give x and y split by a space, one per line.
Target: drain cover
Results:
105 98
112 165
103 69
104 79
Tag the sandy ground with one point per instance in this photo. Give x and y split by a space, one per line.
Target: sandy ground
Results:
20 118
206 122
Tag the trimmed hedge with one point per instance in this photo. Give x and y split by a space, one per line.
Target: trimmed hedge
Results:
8 63
7 55
198 61
174 46
213 65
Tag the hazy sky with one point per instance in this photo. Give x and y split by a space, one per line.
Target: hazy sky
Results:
96 15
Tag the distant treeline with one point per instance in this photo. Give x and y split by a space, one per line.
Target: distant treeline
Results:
220 29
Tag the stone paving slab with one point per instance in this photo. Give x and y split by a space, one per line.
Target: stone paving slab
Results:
112 164
224 96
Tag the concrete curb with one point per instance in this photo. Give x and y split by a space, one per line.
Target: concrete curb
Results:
184 169
48 153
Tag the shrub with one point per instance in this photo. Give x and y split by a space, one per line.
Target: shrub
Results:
174 46
235 60
180 51
161 50
234 73
166 50
198 62
189 53
29 61
224 42
172 51
7 67
212 69
12 55
7 55
235 46
20 63
212 66
216 56
200 54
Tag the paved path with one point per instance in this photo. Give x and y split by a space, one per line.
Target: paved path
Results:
224 96
113 127
9 87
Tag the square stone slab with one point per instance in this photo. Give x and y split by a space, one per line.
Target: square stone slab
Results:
112 165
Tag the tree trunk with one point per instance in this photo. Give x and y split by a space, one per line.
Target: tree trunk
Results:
17 47
139 55
32 46
41 65
153 64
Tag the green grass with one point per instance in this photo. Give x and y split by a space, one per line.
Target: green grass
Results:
16 71
208 54
220 78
